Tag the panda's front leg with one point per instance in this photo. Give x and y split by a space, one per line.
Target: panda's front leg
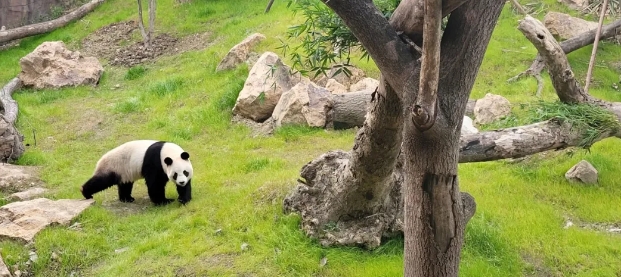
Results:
125 192
157 192
185 193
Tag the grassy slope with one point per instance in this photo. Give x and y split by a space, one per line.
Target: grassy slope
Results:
240 181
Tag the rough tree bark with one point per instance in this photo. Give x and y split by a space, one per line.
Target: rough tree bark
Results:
44 27
147 33
11 141
354 198
352 194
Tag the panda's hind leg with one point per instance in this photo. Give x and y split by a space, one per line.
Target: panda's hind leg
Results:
98 183
125 192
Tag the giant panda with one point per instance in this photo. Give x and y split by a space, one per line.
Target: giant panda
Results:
155 161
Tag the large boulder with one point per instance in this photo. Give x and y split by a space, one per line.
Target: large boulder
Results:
582 172
23 220
491 108
240 52
52 65
267 80
306 103
564 26
365 84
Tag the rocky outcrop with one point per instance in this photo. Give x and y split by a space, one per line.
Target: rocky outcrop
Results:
28 194
23 220
52 65
306 104
335 87
239 53
491 108
582 172
564 26
266 82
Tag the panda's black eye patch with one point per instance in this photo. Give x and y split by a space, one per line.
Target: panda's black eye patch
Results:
186 173
175 176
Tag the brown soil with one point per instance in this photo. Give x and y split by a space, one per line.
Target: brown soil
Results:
121 44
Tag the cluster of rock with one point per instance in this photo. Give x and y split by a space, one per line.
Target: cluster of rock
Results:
29 214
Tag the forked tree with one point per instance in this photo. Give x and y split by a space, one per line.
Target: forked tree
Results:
147 33
401 174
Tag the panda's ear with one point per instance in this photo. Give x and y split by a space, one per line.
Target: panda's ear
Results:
185 155
168 161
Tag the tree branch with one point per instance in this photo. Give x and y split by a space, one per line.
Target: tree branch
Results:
595 43
44 27
424 112
566 86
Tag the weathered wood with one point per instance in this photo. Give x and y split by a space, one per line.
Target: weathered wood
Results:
350 109
44 27
569 46
11 141
563 80
595 43
8 106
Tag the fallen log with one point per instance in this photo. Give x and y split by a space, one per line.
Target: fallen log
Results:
48 26
11 141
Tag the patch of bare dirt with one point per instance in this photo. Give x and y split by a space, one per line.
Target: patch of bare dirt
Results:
121 44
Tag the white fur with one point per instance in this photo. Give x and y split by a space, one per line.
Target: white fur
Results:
125 160
179 165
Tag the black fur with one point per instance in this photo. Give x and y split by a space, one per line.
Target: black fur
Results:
154 175
185 193
98 183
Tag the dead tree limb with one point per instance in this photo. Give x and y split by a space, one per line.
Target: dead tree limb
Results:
595 43
269 6
44 27
568 46
11 141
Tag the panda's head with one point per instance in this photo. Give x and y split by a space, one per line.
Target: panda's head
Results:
178 166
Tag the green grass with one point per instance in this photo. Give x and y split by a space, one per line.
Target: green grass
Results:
241 180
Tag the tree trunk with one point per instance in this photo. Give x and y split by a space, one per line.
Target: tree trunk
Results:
434 216
11 141
146 37
44 27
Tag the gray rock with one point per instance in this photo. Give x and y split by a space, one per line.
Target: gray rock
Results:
27 194
4 270
23 220
582 172
52 65
365 84
564 26
239 53
467 127
17 178
245 246
491 108
266 82
335 87
306 103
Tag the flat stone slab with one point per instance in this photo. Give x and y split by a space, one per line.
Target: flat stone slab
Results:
23 220
27 194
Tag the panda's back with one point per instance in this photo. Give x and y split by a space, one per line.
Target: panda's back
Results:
126 160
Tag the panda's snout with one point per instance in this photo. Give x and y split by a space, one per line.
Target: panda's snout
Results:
181 183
